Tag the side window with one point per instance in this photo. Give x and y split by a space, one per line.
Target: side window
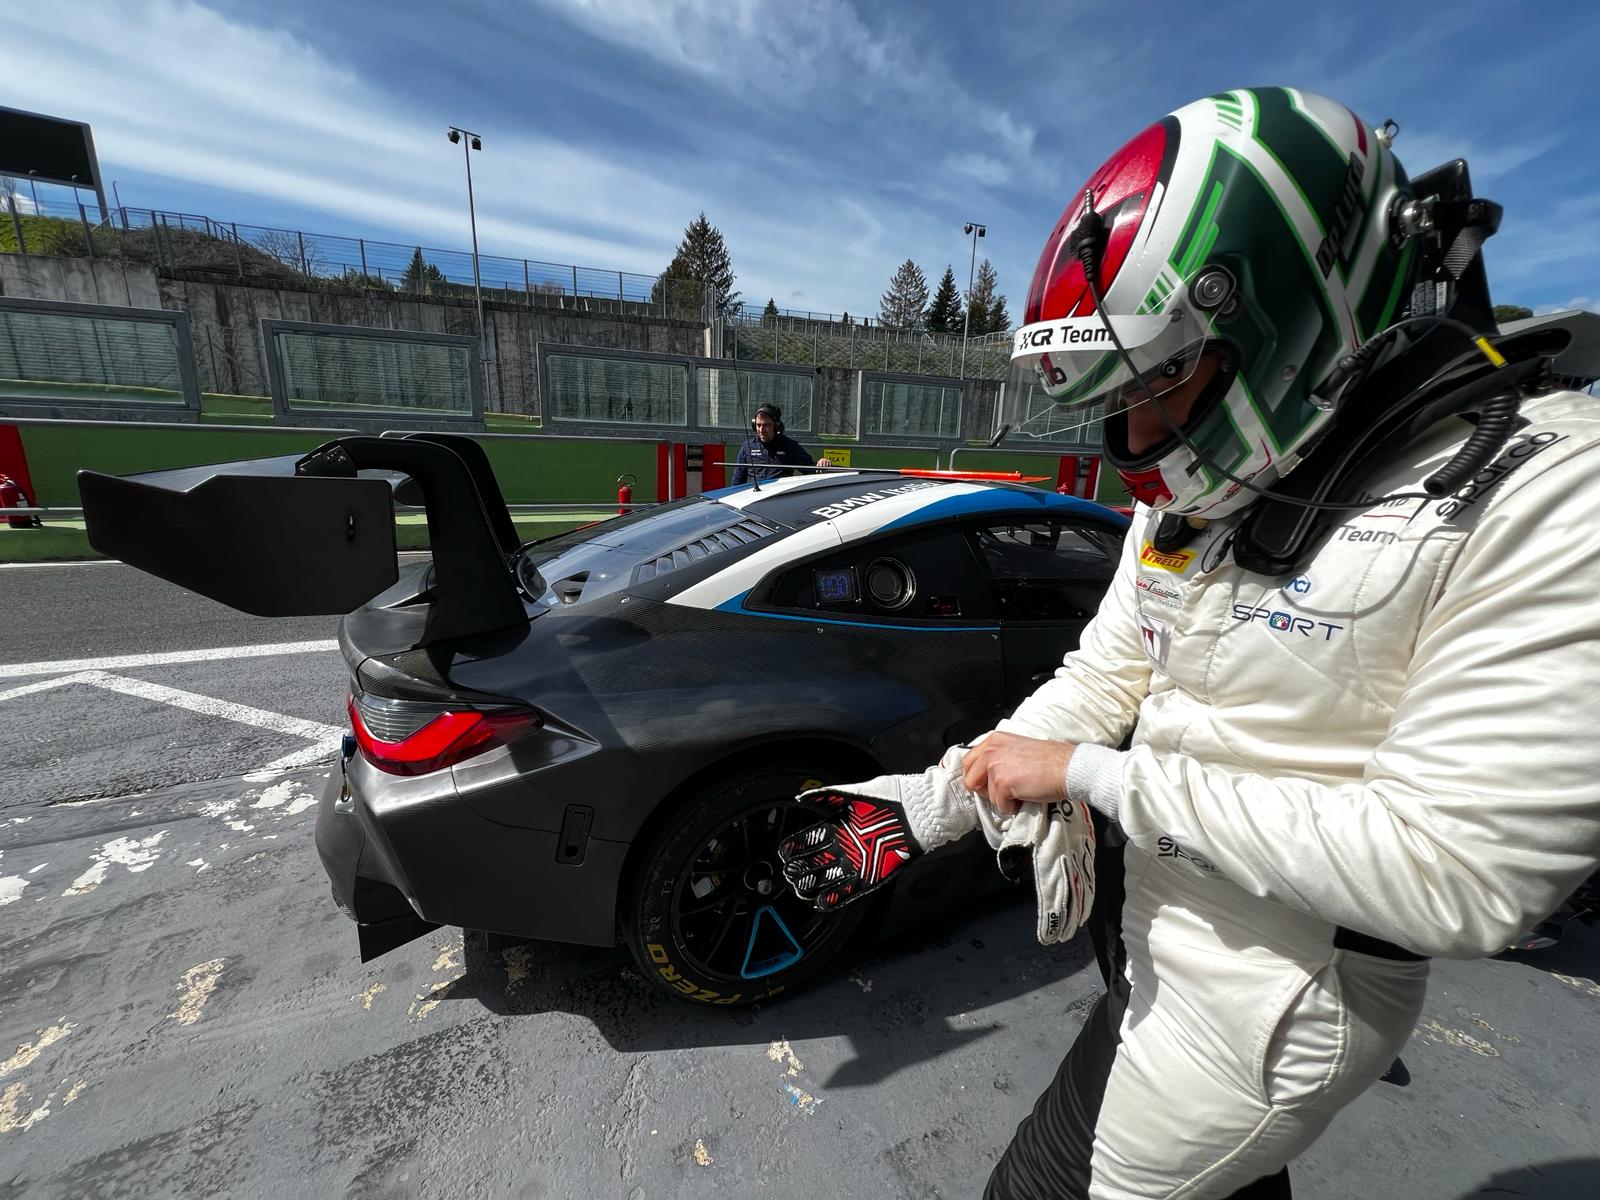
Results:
1045 571
922 576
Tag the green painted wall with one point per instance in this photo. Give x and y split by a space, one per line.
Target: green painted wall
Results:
532 468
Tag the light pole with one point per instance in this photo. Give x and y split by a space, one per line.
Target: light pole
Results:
975 231
473 142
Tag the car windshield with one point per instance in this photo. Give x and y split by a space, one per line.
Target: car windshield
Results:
640 522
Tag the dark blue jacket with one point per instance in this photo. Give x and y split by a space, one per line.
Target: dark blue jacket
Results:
781 449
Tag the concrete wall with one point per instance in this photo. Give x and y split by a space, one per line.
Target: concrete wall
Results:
836 405
225 319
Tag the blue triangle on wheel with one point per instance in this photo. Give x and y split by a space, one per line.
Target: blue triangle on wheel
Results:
778 948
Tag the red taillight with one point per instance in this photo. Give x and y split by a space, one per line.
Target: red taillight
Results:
443 741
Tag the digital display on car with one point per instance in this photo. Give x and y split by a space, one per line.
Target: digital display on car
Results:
836 587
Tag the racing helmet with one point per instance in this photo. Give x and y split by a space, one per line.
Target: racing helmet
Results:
1245 243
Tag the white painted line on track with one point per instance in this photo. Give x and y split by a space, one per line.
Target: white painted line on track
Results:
210 707
305 758
128 662
43 685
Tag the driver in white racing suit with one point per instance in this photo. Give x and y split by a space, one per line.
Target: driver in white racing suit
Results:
1361 733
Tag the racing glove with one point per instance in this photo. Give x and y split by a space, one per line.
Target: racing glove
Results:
873 829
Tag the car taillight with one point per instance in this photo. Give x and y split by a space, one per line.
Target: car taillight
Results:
444 741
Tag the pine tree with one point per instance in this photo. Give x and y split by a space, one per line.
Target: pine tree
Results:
988 309
944 314
770 312
420 274
845 319
702 257
905 304
998 320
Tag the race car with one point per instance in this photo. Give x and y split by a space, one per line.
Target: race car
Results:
600 735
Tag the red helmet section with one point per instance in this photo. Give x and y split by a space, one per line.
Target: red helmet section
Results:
1122 192
1146 486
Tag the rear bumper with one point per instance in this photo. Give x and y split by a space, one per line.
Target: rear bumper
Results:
405 855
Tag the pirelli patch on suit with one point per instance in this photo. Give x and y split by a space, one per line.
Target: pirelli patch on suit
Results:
1176 561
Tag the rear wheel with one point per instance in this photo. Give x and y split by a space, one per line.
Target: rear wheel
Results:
711 918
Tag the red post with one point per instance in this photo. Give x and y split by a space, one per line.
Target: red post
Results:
711 472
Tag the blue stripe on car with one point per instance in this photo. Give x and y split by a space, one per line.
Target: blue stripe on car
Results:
993 500
736 604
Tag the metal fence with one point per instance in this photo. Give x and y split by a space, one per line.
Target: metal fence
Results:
785 339
189 242
200 245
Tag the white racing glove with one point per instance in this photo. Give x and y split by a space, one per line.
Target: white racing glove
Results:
873 829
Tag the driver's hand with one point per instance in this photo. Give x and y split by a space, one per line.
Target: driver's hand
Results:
1009 770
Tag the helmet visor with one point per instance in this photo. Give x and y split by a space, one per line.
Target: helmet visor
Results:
1076 362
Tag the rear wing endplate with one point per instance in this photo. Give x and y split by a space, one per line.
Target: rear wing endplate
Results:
305 535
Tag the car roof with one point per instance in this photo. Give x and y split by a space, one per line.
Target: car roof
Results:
862 503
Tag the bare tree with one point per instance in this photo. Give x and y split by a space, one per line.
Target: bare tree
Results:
291 249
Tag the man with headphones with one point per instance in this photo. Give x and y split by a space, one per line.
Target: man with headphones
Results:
768 443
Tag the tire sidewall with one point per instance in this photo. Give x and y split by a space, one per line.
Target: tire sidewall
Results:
647 924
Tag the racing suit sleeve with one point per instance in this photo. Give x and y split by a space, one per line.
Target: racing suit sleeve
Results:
1096 692
1480 810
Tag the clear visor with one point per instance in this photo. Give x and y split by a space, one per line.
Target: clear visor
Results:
1077 364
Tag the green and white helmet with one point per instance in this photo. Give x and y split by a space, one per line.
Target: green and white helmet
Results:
1254 227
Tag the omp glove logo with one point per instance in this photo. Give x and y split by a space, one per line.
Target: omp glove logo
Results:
1287 622
1176 561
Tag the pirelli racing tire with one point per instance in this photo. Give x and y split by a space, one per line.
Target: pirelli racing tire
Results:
709 917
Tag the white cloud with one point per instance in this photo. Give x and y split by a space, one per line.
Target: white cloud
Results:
1424 151
799 55
984 168
179 91
1582 303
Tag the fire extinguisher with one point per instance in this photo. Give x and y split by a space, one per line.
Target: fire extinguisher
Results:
12 496
624 492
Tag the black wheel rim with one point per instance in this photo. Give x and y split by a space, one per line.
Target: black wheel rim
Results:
733 915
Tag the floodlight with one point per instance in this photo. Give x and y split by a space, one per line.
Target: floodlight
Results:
477 144
455 137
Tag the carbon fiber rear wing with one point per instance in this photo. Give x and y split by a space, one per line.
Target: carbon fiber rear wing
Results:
305 536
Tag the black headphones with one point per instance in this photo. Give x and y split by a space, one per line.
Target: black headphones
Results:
768 410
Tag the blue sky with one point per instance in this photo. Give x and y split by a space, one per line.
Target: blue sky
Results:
828 140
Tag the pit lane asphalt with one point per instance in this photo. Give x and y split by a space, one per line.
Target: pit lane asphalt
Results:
189 1017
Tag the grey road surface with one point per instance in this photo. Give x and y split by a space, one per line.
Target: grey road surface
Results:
182 1012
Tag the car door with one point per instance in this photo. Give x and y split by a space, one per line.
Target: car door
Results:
1046 577
923 645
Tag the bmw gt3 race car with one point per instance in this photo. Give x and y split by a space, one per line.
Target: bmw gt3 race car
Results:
599 735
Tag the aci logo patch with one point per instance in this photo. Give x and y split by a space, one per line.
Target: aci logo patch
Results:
1176 561
1299 585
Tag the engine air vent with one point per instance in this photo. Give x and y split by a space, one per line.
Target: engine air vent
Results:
732 538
